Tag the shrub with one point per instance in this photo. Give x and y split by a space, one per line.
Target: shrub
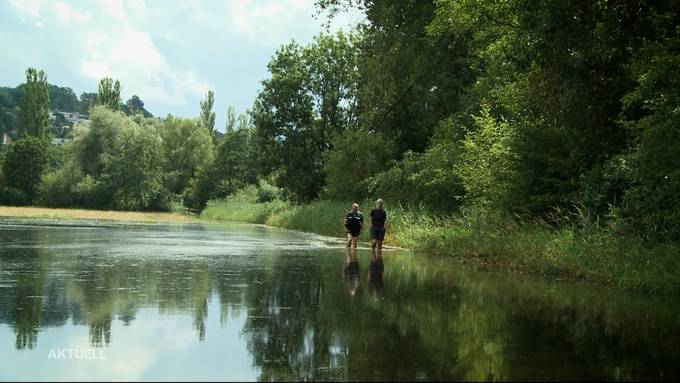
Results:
23 166
355 157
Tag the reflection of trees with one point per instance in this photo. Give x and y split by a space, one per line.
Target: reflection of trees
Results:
22 300
303 325
91 290
442 323
434 321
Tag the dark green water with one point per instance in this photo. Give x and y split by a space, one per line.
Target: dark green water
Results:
238 302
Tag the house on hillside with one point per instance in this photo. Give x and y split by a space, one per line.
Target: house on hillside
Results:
72 117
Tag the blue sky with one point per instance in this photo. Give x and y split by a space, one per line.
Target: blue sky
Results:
167 52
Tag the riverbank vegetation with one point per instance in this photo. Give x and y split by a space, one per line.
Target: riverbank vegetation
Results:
539 136
582 250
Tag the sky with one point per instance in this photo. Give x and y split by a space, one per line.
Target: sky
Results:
168 52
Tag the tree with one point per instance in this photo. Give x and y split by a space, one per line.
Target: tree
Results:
23 166
310 95
133 170
357 155
231 119
108 94
34 118
116 163
487 163
207 115
652 198
135 105
187 147
62 98
87 101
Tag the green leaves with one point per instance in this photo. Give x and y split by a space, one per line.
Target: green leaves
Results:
310 95
108 94
34 116
22 168
487 161
207 117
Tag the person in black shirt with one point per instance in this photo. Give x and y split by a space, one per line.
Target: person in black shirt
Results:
354 222
378 219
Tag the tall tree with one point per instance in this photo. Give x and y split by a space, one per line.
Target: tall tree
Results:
34 118
87 101
109 94
135 105
187 148
310 95
231 119
207 115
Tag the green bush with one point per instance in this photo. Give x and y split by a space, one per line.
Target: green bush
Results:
422 179
267 192
187 146
653 201
133 171
487 163
355 157
114 164
23 166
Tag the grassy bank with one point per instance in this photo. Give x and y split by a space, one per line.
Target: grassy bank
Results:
592 254
45 213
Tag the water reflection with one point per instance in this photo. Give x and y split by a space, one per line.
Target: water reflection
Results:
376 270
351 271
172 302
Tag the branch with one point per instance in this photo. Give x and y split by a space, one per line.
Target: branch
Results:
501 22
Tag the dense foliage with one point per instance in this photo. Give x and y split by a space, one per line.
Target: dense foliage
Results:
513 107
22 166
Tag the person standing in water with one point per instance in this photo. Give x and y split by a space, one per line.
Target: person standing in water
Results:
354 222
378 219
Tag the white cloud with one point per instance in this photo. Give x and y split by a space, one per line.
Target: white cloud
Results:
137 8
114 8
269 18
163 51
131 57
65 14
31 8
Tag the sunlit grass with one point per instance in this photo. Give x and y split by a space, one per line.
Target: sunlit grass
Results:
45 213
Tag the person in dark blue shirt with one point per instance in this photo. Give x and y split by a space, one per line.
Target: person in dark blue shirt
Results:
354 222
378 219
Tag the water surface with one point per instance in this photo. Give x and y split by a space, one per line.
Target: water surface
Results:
242 302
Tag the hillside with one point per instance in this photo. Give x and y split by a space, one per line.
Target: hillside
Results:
62 99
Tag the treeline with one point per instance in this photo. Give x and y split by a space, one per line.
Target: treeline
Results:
119 161
61 99
540 110
543 110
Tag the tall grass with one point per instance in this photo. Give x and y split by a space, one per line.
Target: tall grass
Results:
578 250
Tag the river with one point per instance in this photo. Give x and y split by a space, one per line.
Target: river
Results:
86 300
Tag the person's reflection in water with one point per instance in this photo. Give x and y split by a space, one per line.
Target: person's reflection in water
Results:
376 270
351 272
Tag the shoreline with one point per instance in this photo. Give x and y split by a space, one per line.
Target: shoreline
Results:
107 215
595 257
592 255
64 214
